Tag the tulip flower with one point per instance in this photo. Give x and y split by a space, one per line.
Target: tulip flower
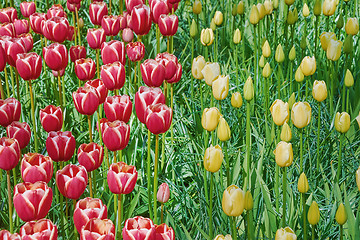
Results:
145 97
56 56
266 51
301 114
210 72
280 112
60 146
349 79
342 122
319 91
303 184
210 118
308 66
8 15
193 29
163 232
95 37
135 51
197 7
127 35
7 29
329 7
98 229
86 100
168 24
55 10
153 73
284 154
86 209
111 25
213 158
261 10
352 26
32 201
237 36
333 51
170 63
9 153
130 4
236 100
6 235
140 20
113 75
113 51
90 156
313 214
71 181
325 38
138 228
163 193
299 76
157 8
254 15
233 201
36 20
85 69
10 110
249 201
55 29
97 10
118 108
36 167
21 26
121 178
341 215
223 130
218 18
158 118
43 229
77 52
13 47
220 87
100 87
285 234
286 134
71 34
176 77
249 89
115 135
27 8
19 131
51 118
207 37
29 65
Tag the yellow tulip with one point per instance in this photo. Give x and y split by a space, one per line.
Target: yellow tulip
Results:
207 37
317 8
266 50
292 54
308 66
286 133
358 178
305 10
237 36
289 2
284 154
280 112
313 214
262 61
292 17
262 10
249 89
236 100
249 201
212 24
241 8
329 7
268 7
197 7
197 66
341 216
210 118
210 72
218 18
291 100
319 91
349 79
220 87
276 4
285 234
303 184
233 201
279 54
223 130
352 26
213 158
333 51
301 114
299 76
193 29
254 15
342 122
266 70
325 38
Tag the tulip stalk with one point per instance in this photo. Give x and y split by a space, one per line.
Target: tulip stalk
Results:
1 90
228 181
172 107
284 197
304 215
78 27
10 201
97 63
157 39
156 176
233 225
33 116
318 139
119 216
17 85
60 90
162 212
211 206
148 172
121 5
6 83
338 173
90 129
75 231
301 150
248 147
341 232
12 80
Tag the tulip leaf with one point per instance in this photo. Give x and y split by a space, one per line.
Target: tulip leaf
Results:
133 204
350 214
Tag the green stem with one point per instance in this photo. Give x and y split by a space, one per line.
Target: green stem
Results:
156 177
237 66
17 85
121 5
33 116
7 83
148 172
157 39
78 27
248 147
233 225
206 54
90 185
301 150
75 231
318 139
211 206
172 107
304 216
313 232
228 179
97 63
338 174
60 95
10 201
347 99
284 197
119 216
255 58
162 213
341 232
316 34
216 44
90 129
280 77
277 191
192 78
12 80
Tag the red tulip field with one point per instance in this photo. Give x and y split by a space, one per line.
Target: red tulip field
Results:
179 119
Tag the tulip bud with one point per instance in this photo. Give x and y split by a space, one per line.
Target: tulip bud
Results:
262 61
210 118
118 108
207 37
341 216
349 79
254 15
218 18
233 201
352 26
276 4
266 70
289 2
292 54
292 17
240 8
268 7
329 7
333 51
286 133
56 56
42 229
86 100
305 10
342 122
317 8
51 118
279 54
303 184
77 52
9 153
140 20
308 66
266 51
237 36
111 25
249 201
145 97
303 42
99 87
291 100
36 167
358 171
210 72
299 76
95 37
319 91
97 10
197 66
193 29
358 121
325 38
163 193
261 9
139 228
153 73
313 214
249 89
285 234
340 22
220 87
284 154
168 24
116 135
197 7
223 130
113 75
234 10
301 114
280 112
27 8
8 15
98 229
85 69
348 44
236 100
135 51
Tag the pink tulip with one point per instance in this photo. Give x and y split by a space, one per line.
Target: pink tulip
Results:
56 56
139 228
95 37
121 178
85 69
97 10
10 110
55 29
27 8
21 26
90 156
36 20
86 100
72 181
36 167
157 8
115 135
145 97
100 87
29 65
9 153
55 10
77 52
73 6
51 118
6 235
7 29
8 15
111 25
152 72
19 131
118 108
140 20
135 51
163 193
158 118
27 40
113 51
127 35
113 75
168 24
13 47
130 4
60 146
43 229
177 76
98 229
170 62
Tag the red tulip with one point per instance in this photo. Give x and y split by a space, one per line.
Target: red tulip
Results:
118 108
32 201
95 37
90 156
8 15
60 73
177 76
56 56
135 51
152 72
27 40
71 34
113 75
55 29
158 118
100 124
139 228
36 167
19 131
77 52
27 8
13 48
29 65
130 4
2 58
98 229
168 24
73 6
86 209
9 153
170 62
121 178
113 51
144 97
7 29
140 20
173 1
123 20
21 26
43 229
74 1
115 135
60 146
97 10
71 181
100 87
6 235
85 69
157 8
36 20
163 193
172 6
51 118
55 10
164 232
10 110
111 25
127 35
86 100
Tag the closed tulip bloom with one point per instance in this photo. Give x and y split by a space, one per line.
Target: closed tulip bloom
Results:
97 10
113 51
73 6
135 51
12 48
140 20
36 20
305 10
268 7
9 153
2 58
317 7
85 69
27 40
249 201
127 35
286 133
43 229
254 15
349 79
280 112
303 184
36 167
285 234
138 228
29 65
213 158
8 15
207 37
60 146
77 52
51 118
86 209
352 26
116 135
158 118
240 8
168 24
170 62
218 18
55 10
118 108
157 8
90 156
193 29
279 54
313 214
210 118
308 65
342 122
329 7
100 87
262 61
56 56
233 201
319 91
197 66
266 70
113 75
301 114
153 73
98 229
223 130
220 87
10 110
249 89
266 50
292 17
163 193
236 100
130 4
21 26
341 215
32 201
19 131
145 97
358 172
292 54
122 178
6 235
210 72
299 76
291 100
262 10
72 181
164 232
86 100
55 29
177 76
284 154
95 37
111 25
333 51
7 29
325 38
237 36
